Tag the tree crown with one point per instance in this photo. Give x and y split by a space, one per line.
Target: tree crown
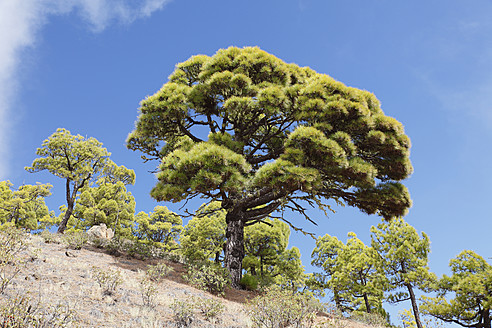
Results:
278 134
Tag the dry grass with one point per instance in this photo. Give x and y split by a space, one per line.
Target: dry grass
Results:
61 276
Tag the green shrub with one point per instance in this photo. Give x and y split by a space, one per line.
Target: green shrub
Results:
75 239
108 280
158 272
173 256
12 243
183 313
283 308
116 246
98 242
49 237
209 277
210 308
133 248
20 312
148 290
140 250
249 282
265 281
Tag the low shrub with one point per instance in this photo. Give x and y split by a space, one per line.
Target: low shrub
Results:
148 291
20 312
12 243
282 308
183 314
116 246
209 277
49 237
98 242
108 280
174 256
158 272
133 248
209 308
75 239
140 250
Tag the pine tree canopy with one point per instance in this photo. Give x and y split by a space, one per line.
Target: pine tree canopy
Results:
273 129
81 162
470 285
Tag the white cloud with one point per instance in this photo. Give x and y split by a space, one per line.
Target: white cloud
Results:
99 14
472 100
21 21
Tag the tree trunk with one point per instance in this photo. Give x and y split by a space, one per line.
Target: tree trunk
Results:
414 306
486 319
68 213
70 204
366 301
234 250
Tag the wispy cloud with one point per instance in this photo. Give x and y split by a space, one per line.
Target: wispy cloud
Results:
454 63
468 100
21 22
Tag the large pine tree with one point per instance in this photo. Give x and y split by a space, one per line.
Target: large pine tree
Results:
259 135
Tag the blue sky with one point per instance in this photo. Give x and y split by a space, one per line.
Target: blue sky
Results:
85 64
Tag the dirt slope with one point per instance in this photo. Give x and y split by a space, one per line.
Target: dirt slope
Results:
61 276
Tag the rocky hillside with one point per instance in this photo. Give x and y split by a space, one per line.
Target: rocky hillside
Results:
63 281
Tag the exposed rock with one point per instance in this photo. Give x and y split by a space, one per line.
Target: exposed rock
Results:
100 232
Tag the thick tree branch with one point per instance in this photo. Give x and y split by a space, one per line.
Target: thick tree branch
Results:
188 133
253 214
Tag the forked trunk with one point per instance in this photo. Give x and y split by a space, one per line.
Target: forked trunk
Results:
234 250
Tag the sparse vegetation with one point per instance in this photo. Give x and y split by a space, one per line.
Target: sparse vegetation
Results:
209 308
335 318
49 237
21 312
183 313
148 290
208 277
75 239
158 272
283 308
108 279
12 243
